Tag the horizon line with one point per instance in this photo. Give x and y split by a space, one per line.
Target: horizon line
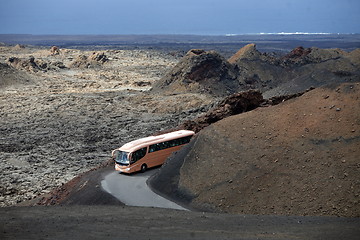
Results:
180 34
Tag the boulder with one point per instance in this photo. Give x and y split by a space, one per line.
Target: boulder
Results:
95 59
54 50
80 62
98 57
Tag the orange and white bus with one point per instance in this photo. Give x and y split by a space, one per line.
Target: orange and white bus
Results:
138 155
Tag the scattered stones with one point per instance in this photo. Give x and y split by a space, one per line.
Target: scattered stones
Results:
67 121
28 65
95 59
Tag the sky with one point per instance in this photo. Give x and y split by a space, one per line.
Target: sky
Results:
202 17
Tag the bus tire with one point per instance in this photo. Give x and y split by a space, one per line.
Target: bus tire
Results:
143 168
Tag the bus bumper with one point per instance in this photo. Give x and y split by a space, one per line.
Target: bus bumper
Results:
124 169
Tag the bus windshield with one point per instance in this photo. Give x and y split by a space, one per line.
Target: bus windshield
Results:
121 157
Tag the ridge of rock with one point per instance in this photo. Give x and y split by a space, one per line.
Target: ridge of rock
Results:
231 105
247 52
200 71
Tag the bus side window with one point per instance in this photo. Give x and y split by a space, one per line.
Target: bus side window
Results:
137 155
186 139
164 145
160 146
172 143
153 148
168 144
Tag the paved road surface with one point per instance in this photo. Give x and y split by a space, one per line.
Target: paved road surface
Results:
132 190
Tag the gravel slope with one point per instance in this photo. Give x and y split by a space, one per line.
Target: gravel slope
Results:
300 157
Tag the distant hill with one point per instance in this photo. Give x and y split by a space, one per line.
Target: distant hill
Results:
208 72
202 72
300 157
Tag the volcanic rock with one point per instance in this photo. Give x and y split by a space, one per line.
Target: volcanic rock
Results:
98 57
28 64
54 50
19 46
257 70
34 65
95 59
80 62
302 56
297 55
295 72
208 72
200 71
354 57
231 105
316 68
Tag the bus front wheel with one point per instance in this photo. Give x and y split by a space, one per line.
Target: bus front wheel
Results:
143 168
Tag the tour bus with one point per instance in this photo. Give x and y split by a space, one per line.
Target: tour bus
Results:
138 155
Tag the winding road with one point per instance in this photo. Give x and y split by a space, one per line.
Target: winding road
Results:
132 190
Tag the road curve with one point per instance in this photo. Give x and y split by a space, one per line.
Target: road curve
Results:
132 190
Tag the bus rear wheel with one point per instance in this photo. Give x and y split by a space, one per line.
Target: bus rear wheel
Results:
143 168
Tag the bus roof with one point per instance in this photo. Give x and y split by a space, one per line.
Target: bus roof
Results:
143 142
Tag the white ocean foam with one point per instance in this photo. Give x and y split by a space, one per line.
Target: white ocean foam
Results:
295 33
280 33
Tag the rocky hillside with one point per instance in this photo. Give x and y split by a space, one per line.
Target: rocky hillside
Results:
300 157
314 67
208 72
202 72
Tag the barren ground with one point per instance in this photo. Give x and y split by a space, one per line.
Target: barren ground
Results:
59 122
56 123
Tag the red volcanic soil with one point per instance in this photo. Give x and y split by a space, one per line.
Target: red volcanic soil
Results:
300 157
